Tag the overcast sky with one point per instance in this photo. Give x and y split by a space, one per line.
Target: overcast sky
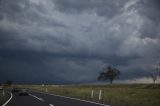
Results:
68 41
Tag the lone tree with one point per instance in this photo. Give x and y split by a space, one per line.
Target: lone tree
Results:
109 73
155 73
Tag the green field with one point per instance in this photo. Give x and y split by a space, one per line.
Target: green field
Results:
3 98
114 95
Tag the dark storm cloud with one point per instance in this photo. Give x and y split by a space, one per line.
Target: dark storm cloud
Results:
106 8
150 10
29 65
64 41
24 12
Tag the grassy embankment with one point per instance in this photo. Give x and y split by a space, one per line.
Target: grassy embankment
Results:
3 98
114 95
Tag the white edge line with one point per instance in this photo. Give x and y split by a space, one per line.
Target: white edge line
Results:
8 100
75 99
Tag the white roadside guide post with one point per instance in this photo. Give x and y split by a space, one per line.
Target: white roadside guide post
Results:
92 93
46 90
3 92
42 85
100 94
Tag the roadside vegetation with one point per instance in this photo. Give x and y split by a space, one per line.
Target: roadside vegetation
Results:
3 98
114 94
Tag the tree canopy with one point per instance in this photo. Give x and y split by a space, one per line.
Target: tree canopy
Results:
109 73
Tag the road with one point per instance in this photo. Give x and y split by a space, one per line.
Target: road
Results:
43 99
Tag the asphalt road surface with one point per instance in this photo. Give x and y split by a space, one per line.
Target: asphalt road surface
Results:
43 99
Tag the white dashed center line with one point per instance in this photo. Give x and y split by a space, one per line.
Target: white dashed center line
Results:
37 97
51 105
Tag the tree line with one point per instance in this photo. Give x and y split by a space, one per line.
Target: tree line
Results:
110 73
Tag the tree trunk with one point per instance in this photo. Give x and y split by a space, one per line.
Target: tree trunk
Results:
111 81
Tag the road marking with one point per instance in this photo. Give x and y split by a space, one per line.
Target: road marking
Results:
8 100
75 99
51 105
37 97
